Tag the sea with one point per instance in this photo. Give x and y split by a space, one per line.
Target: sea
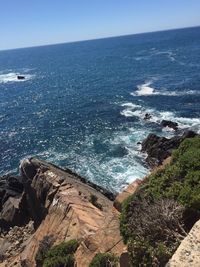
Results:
82 105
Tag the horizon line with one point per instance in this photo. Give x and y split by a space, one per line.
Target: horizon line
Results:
100 38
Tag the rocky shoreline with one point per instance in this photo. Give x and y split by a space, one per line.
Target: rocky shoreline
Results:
45 200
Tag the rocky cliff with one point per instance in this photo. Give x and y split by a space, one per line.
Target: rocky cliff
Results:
47 202
59 204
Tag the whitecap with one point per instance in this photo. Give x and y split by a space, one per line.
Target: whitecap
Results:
130 105
12 77
146 89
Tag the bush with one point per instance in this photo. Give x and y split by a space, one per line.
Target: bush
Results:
104 260
142 253
158 216
181 179
44 247
59 261
63 249
61 255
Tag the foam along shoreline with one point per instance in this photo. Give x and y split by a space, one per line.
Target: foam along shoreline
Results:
138 111
13 77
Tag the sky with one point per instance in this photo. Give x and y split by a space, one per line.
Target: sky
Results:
25 23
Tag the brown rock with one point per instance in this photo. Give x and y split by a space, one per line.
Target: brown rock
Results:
65 212
188 253
126 193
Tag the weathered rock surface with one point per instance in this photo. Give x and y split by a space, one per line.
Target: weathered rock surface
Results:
59 204
188 253
160 148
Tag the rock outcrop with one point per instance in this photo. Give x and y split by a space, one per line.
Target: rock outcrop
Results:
59 203
188 253
20 77
12 202
160 148
170 124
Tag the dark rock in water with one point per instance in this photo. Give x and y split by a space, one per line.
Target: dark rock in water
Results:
20 77
147 116
159 148
170 124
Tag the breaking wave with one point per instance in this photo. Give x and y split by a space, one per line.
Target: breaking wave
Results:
139 112
146 89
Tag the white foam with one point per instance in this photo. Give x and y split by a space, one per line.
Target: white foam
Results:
127 113
12 77
139 112
146 89
130 105
129 110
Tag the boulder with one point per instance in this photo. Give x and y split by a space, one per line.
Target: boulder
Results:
13 212
10 186
160 148
170 124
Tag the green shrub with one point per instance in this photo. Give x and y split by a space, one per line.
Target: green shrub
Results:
158 216
181 179
104 260
63 249
61 255
142 253
59 261
44 247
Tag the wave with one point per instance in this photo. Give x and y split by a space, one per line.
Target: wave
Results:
12 77
146 89
169 54
156 116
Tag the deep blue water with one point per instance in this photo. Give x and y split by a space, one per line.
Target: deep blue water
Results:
82 104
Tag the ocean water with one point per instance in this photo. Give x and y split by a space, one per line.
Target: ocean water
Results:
82 104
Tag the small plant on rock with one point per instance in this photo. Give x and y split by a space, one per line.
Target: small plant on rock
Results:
94 200
104 260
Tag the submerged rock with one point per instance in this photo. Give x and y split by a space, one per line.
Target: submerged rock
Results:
147 116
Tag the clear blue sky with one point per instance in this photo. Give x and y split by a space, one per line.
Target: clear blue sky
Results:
38 22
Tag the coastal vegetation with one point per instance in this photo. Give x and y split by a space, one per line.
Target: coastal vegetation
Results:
56 256
159 215
104 260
